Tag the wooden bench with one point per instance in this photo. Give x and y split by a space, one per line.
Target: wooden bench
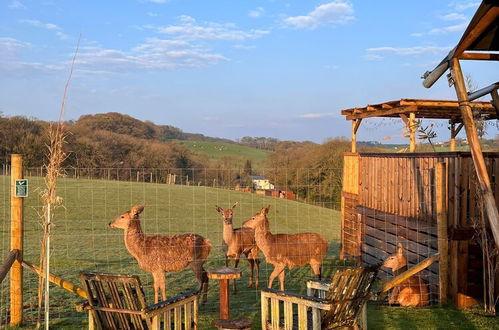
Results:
118 302
332 304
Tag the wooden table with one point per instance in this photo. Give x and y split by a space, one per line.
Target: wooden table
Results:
224 274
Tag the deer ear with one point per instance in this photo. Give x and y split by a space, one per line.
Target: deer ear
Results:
136 210
219 209
235 204
400 249
265 210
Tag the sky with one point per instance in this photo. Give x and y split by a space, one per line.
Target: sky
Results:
231 68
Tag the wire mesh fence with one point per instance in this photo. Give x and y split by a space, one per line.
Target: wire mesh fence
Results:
177 201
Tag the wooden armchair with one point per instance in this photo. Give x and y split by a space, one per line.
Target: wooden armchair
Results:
328 305
118 302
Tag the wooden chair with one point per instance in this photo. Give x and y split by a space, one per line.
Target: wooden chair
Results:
118 302
327 305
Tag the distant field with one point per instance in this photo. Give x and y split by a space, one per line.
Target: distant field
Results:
82 240
217 150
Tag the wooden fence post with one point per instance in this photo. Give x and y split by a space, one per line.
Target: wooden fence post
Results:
443 239
16 243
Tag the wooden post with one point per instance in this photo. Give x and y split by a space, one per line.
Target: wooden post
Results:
412 132
443 239
16 243
452 142
355 127
224 299
476 150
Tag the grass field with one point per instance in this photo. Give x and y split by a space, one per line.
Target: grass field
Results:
82 241
217 150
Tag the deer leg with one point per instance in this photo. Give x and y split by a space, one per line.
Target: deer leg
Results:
236 263
252 265
281 280
277 270
257 263
157 278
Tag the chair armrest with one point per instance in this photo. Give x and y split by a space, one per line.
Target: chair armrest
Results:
296 298
171 303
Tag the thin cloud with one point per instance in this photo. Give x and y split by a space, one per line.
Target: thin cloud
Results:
405 51
10 63
335 12
464 5
17 5
257 12
449 29
153 54
157 1
453 17
190 29
316 115
47 26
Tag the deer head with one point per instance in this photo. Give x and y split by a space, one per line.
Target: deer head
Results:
124 219
396 260
258 218
226 214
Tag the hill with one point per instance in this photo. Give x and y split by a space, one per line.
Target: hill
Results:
218 150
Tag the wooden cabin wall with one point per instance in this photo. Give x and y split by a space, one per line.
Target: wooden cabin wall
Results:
394 189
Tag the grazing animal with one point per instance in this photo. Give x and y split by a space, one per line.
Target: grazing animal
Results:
158 254
239 241
287 250
411 292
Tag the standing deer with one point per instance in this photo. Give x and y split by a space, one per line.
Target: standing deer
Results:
287 250
238 241
158 254
411 292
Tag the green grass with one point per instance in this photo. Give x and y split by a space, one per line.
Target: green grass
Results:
217 150
82 240
448 317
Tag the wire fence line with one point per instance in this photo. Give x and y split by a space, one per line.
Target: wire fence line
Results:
176 201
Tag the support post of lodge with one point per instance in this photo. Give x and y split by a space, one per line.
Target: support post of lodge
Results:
412 132
355 128
442 223
476 151
16 243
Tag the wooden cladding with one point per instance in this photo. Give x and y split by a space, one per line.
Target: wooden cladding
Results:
351 173
404 184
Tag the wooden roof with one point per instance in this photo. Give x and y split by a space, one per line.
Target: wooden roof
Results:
480 41
430 109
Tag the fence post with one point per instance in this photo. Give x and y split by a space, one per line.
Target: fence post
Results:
16 243
443 239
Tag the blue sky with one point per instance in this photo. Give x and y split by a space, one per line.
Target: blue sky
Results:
230 68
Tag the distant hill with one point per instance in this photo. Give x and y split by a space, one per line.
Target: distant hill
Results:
218 150
123 124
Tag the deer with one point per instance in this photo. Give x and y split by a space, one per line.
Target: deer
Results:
411 292
159 254
239 241
287 250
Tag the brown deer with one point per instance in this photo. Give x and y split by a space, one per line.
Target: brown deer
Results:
158 254
411 292
287 250
239 241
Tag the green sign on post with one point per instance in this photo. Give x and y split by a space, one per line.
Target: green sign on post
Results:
21 188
